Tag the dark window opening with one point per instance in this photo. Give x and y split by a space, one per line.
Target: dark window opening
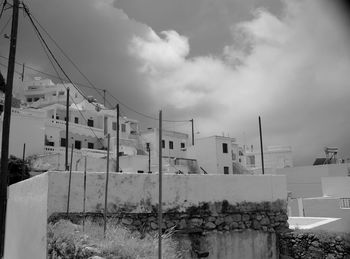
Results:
90 123
77 144
63 142
224 148
163 143
226 169
76 120
182 145
114 126
90 145
123 128
171 145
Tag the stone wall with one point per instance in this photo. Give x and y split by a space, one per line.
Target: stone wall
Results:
220 216
327 245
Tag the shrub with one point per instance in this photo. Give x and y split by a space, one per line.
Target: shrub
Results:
18 169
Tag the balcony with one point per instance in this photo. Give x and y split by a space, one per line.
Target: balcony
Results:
76 128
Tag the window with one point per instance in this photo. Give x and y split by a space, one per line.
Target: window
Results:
57 117
224 148
251 161
61 93
90 145
76 120
63 142
114 126
77 144
344 203
163 143
36 99
123 127
226 169
90 123
182 145
29 100
234 156
171 145
54 94
53 116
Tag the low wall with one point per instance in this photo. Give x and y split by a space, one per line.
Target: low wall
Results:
212 211
305 181
138 193
314 245
26 218
338 187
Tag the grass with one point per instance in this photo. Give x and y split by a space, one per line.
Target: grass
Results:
68 240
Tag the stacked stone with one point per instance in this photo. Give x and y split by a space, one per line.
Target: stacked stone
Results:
218 216
313 245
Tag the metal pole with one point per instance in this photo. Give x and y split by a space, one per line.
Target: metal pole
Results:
84 200
149 158
67 128
23 65
6 125
261 148
192 132
117 140
104 97
160 189
106 189
70 180
23 157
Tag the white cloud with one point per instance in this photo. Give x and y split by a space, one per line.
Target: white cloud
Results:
292 70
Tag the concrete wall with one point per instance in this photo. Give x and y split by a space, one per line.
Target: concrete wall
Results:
136 193
328 207
247 244
338 187
26 219
24 124
223 159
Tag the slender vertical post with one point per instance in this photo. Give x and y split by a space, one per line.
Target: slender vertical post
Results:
192 132
6 125
117 141
84 198
106 189
67 128
22 76
23 157
160 220
104 97
149 158
70 180
261 148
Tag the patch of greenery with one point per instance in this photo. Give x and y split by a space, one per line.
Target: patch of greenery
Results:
69 240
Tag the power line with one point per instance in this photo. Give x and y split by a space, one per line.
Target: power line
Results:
32 17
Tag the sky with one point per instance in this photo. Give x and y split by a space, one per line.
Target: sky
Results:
221 62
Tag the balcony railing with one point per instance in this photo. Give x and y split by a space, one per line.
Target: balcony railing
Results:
78 128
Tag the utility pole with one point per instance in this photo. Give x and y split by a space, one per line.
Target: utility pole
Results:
22 75
261 148
160 189
106 190
191 120
67 127
148 147
104 97
6 126
117 141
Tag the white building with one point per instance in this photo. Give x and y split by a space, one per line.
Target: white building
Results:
43 92
274 157
215 154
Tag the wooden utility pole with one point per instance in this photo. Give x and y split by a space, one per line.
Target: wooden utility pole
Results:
6 125
261 148
160 219
106 189
117 141
67 128
69 179
192 132
104 97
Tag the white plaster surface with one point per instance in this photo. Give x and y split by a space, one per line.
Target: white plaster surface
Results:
338 187
248 245
26 218
138 192
305 181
